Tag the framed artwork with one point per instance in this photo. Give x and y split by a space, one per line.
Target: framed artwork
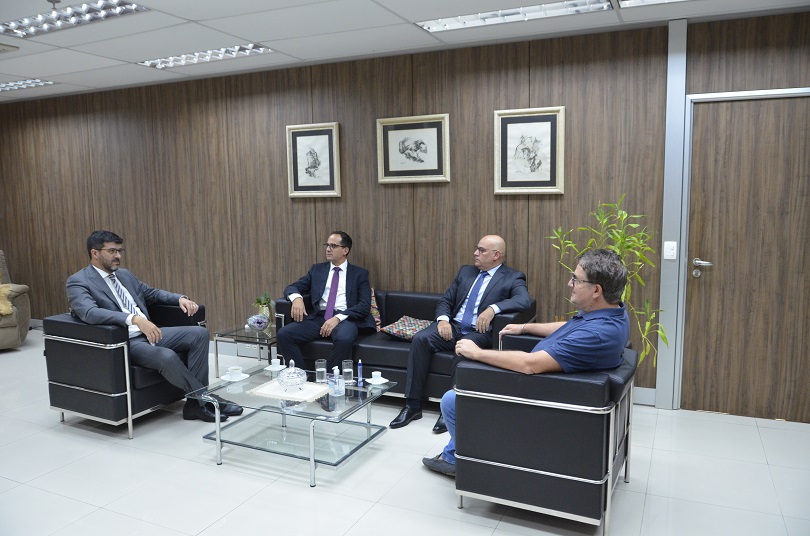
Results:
413 149
313 160
529 151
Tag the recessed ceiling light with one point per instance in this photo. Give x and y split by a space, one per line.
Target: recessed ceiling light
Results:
634 3
69 17
517 14
226 53
24 84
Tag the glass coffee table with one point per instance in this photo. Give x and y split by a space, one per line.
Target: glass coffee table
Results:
288 427
244 335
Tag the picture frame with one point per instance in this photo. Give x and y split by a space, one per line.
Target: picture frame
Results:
313 160
530 151
413 149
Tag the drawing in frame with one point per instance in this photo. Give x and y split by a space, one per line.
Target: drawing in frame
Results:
413 149
313 160
529 151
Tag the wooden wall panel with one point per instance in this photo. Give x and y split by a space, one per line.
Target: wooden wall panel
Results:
45 161
613 87
270 237
356 94
758 53
469 84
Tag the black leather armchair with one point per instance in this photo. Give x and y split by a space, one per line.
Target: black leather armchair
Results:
89 372
551 443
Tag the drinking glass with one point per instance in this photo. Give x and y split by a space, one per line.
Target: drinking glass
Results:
320 371
348 372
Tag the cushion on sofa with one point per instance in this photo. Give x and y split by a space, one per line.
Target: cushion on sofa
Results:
406 327
375 311
5 302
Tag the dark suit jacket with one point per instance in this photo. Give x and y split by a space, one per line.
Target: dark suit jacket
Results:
507 290
92 300
358 292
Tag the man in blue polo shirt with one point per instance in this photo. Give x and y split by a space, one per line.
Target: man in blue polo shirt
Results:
593 339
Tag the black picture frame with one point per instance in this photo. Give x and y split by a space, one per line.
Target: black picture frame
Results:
313 160
530 151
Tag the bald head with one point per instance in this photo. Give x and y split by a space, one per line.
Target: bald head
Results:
490 252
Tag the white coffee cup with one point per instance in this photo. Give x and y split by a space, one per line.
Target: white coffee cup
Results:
234 373
376 375
275 363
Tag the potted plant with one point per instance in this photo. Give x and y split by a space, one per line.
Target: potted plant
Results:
617 230
265 305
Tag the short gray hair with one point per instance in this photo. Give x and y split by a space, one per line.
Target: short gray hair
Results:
604 267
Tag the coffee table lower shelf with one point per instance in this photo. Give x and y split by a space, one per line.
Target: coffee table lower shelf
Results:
288 434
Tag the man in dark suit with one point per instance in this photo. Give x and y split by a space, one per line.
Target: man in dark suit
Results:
341 303
477 294
105 293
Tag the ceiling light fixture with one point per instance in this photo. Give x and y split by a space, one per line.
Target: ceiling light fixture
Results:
69 17
24 84
518 14
634 3
227 53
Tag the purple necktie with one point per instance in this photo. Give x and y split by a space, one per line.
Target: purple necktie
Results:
330 302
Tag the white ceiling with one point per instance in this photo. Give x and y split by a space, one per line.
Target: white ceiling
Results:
104 55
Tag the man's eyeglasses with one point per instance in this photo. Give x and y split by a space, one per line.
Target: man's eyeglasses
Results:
483 250
333 246
113 251
575 280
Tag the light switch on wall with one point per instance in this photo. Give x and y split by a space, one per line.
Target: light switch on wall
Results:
670 250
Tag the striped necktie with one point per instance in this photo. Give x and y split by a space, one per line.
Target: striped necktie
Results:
128 305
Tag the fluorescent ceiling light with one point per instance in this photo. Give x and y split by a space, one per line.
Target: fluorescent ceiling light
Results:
24 84
634 3
517 14
68 17
228 53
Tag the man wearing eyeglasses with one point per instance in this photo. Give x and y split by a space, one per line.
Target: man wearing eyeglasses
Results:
477 294
340 295
105 293
593 339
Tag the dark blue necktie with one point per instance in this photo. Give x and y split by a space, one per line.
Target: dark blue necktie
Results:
472 299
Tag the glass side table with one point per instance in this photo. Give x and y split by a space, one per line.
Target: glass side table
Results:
243 335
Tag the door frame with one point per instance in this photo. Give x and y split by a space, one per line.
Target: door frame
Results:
675 227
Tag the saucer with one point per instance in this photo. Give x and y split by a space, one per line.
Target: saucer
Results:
277 368
375 381
239 378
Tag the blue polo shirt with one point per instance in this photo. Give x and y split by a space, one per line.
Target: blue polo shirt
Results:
589 341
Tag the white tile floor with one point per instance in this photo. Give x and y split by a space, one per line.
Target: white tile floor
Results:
692 474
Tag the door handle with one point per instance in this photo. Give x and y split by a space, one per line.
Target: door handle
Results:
698 262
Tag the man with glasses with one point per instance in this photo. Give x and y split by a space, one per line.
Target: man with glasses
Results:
105 293
593 339
477 294
340 296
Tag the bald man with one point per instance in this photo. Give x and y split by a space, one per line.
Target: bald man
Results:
466 310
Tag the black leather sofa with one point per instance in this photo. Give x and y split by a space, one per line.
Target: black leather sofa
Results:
89 373
380 351
551 443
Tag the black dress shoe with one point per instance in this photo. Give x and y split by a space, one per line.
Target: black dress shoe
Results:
440 427
406 416
193 410
226 407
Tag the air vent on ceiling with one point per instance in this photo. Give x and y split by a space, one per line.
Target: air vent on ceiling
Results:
7 48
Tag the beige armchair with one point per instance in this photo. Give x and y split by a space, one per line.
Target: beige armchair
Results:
14 323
